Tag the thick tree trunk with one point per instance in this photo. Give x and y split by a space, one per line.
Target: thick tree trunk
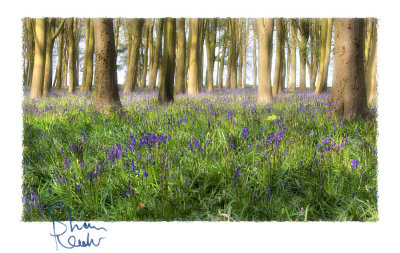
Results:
278 57
166 93
181 57
87 82
193 85
155 61
348 91
105 77
71 53
325 46
40 59
265 27
132 68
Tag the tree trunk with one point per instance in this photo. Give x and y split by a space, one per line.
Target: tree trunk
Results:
85 55
292 85
244 53
325 46
154 61
60 52
278 57
348 91
40 59
166 93
211 34
132 68
222 59
30 50
87 85
304 33
233 83
193 85
371 61
71 54
201 50
146 52
181 57
105 78
254 55
265 27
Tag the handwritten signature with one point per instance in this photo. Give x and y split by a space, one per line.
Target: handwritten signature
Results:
72 241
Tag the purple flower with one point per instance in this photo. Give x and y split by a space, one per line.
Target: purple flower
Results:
245 132
145 174
354 164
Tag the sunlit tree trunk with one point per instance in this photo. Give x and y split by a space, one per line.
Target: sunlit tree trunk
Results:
233 52
292 84
244 51
85 54
211 34
325 50
265 27
71 56
193 85
146 51
60 52
254 55
278 56
239 56
222 59
288 57
181 56
187 61
40 59
304 34
201 50
87 82
166 93
132 68
349 90
155 61
30 49
105 77
371 60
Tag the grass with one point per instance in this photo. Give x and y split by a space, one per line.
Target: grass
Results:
218 156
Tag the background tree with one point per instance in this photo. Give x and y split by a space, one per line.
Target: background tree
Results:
72 70
254 55
292 84
210 37
265 27
278 56
40 58
222 57
30 49
132 68
348 95
246 27
155 60
325 54
371 59
105 80
166 93
193 84
146 35
181 57
304 28
312 64
233 52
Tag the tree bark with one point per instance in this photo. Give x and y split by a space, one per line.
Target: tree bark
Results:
278 57
233 52
254 55
60 52
30 49
155 61
325 46
85 55
265 27
72 56
348 95
166 93
146 51
371 61
222 59
40 59
132 68
304 33
87 85
105 77
211 34
292 84
193 85
244 52
181 57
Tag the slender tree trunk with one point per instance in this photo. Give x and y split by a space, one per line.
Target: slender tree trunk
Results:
193 85
292 85
201 56
85 55
283 70
288 74
88 80
77 39
278 57
304 33
325 46
244 53
222 59
234 55
71 53
154 61
371 61
60 60
132 68
349 91
40 59
106 94
166 93
187 61
211 34
265 27
181 56
30 50
146 52
239 32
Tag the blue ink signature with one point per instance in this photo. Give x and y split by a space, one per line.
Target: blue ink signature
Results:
72 242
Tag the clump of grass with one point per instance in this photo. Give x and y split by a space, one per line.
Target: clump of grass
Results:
218 156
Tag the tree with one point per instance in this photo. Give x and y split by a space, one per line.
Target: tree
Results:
40 58
211 34
348 95
193 84
304 34
30 49
60 57
278 56
181 57
233 53
147 33
105 77
222 58
292 84
72 70
166 93
371 60
155 60
244 51
87 81
265 27
132 68
254 55
314 55
325 52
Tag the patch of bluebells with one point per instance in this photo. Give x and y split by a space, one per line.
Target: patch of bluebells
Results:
31 201
354 164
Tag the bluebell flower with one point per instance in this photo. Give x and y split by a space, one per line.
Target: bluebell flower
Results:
354 164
